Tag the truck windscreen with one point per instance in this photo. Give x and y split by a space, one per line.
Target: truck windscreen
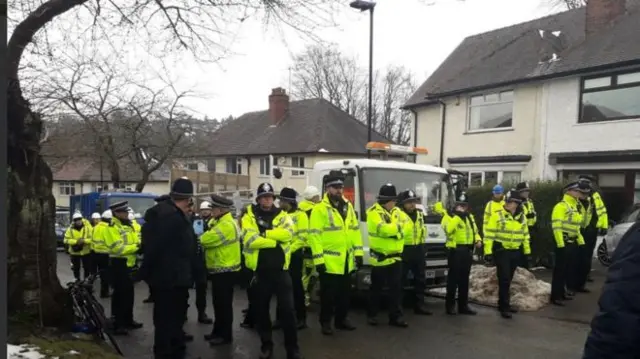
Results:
138 204
432 187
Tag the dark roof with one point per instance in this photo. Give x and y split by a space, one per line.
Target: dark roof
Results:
512 54
88 170
309 126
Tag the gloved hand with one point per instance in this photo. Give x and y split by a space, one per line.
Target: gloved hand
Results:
77 247
359 262
602 232
488 258
321 268
531 215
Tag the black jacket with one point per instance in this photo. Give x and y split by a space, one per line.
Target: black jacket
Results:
170 248
615 329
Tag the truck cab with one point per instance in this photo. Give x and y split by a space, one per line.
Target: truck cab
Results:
88 203
363 178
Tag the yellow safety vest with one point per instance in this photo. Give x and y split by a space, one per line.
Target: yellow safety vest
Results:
98 242
489 208
461 231
414 233
386 241
527 208
567 219
306 206
512 232
301 230
122 241
221 244
595 200
281 234
72 235
334 241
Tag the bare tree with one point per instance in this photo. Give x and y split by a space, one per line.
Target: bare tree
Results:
194 25
320 72
569 4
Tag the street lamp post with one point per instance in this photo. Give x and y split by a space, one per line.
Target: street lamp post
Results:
368 6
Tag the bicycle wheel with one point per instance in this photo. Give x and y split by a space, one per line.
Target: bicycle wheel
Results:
114 343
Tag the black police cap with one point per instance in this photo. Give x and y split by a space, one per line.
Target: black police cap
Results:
407 196
288 194
182 188
265 189
120 207
580 186
333 181
220 202
513 196
162 198
522 186
387 192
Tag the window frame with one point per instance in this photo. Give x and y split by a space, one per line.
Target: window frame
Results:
237 167
468 128
69 185
613 86
297 173
188 166
264 165
500 175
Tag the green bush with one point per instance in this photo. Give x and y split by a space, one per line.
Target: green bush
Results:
545 195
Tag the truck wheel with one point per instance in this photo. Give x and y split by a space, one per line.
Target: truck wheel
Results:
603 254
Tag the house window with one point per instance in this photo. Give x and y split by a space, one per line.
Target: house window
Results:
509 177
490 178
191 166
297 162
67 188
99 187
124 186
265 166
233 165
491 111
610 98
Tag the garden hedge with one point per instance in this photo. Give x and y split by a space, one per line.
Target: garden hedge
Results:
545 195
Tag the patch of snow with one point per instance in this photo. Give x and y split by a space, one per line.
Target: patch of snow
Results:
73 352
322 150
556 33
23 351
541 32
554 57
527 292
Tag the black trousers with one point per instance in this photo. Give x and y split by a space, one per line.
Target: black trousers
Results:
170 305
533 234
413 260
334 297
123 293
295 270
506 265
585 256
81 262
222 285
201 297
459 260
391 277
276 283
564 270
250 315
101 265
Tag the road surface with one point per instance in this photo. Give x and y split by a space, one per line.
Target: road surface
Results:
547 334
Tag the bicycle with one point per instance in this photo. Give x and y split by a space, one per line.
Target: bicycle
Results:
89 311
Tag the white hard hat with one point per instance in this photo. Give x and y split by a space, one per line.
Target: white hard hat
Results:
107 214
95 215
205 205
310 192
76 215
131 216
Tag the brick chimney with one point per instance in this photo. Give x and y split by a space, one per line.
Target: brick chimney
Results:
602 13
278 105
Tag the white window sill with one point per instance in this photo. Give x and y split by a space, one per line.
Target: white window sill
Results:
607 122
502 129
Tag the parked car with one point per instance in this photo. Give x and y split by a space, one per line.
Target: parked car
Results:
612 239
60 235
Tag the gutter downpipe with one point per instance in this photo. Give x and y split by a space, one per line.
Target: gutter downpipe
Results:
443 120
415 131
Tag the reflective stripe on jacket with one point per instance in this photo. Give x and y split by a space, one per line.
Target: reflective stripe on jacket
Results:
98 242
528 208
491 207
122 241
511 232
596 204
385 236
566 219
281 235
413 232
301 230
221 244
461 231
72 235
334 241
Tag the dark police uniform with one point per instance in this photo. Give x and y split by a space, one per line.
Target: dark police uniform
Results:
201 286
150 214
169 266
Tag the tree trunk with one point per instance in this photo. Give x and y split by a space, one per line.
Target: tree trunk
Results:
143 182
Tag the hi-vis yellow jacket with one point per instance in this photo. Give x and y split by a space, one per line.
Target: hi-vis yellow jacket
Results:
122 241
301 230
489 208
281 234
334 240
512 232
527 209
72 236
221 244
460 231
98 242
595 200
386 241
566 219
414 233
306 206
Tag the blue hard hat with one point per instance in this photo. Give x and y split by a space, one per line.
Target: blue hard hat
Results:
497 189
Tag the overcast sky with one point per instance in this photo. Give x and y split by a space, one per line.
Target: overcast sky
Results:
407 32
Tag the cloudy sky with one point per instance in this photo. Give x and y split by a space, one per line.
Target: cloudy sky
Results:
407 32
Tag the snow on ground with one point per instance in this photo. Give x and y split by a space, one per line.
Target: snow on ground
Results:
527 292
23 351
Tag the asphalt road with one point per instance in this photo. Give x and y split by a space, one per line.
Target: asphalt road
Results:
548 334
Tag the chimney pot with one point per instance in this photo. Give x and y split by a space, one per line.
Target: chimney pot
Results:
602 13
278 105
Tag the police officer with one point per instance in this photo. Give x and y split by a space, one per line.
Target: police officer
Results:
529 211
221 244
151 213
413 256
336 244
311 196
122 241
268 234
385 245
201 286
78 240
496 203
595 222
248 321
566 221
462 236
505 235
169 267
101 252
